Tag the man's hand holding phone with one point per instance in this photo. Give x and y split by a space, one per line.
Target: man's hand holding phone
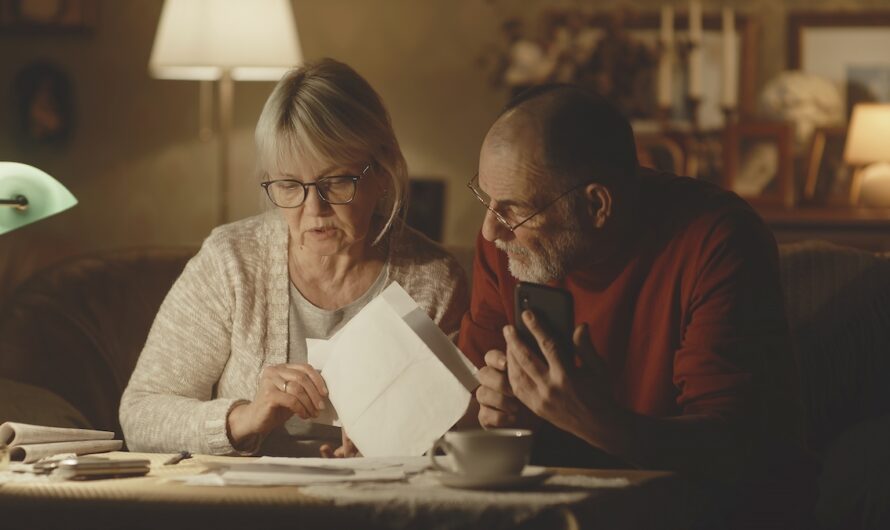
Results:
536 377
498 405
576 401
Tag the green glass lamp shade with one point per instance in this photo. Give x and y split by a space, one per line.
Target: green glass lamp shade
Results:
28 195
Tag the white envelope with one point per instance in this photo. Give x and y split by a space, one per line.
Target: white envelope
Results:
396 381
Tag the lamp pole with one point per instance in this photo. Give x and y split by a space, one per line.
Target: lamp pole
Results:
226 102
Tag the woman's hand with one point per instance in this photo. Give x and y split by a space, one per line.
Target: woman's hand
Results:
347 449
284 390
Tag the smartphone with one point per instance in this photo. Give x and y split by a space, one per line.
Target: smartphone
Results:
554 308
91 467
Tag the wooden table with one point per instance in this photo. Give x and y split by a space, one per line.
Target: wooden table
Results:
654 500
865 228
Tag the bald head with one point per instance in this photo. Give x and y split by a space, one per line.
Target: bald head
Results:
571 134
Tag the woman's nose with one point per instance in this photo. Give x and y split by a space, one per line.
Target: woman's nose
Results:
314 203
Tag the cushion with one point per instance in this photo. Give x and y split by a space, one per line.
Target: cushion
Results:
38 406
855 483
838 304
78 328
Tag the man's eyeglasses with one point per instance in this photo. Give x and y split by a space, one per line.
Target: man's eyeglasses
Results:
486 200
290 193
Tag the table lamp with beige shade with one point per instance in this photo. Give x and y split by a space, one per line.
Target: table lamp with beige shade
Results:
224 41
27 195
868 150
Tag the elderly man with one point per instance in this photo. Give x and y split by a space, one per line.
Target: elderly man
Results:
682 354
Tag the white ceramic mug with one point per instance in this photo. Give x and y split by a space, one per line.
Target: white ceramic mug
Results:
485 453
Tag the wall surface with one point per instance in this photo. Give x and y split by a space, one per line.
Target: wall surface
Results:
143 176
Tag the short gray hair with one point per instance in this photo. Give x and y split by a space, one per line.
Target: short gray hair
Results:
326 112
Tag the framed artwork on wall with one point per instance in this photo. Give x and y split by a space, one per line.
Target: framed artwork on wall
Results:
661 152
758 162
828 178
850 49
47 16
426 206
44 104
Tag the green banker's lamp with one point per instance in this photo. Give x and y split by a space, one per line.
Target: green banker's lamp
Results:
28 195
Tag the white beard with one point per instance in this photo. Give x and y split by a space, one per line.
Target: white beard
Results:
553 261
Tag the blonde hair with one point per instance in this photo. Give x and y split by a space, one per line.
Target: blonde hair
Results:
326 112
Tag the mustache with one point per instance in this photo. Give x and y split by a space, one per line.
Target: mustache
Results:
512 248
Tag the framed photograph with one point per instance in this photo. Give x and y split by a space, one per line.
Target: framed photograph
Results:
44 104
426 206
758 162
659 151
828 178
851 49
47 16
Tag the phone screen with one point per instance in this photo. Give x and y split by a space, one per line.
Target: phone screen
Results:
554 308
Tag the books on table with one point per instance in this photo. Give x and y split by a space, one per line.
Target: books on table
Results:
29 443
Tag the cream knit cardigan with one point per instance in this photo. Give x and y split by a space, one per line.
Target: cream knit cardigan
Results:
226 317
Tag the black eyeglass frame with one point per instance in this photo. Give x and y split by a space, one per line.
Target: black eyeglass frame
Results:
503 220
306 185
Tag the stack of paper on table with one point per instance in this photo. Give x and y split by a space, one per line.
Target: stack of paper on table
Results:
29 443
277 471
396 381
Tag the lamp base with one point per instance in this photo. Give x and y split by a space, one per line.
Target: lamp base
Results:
875 187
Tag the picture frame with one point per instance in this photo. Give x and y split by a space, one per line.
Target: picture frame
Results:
661 152
828 180
848 48
45 106
48 16
758 162
426 207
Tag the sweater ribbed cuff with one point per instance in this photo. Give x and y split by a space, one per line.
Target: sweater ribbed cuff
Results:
217 433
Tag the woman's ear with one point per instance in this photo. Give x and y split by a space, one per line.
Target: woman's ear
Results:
599 203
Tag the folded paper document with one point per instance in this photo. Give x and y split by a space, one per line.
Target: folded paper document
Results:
29 443
396 381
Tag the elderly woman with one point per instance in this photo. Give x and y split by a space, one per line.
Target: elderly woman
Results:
224 369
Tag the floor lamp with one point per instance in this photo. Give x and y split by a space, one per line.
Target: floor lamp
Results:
224 41
27 195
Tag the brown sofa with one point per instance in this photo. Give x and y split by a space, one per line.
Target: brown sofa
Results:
70 336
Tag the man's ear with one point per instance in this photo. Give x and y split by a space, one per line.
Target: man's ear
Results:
599 203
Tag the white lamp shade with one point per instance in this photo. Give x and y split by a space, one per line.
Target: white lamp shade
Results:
256 40
868 139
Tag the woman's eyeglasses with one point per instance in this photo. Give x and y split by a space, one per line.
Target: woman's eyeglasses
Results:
291 193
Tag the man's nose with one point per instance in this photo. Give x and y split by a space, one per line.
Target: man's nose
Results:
493 229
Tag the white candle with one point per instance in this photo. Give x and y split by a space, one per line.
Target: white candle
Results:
695 52
730 81
665 66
